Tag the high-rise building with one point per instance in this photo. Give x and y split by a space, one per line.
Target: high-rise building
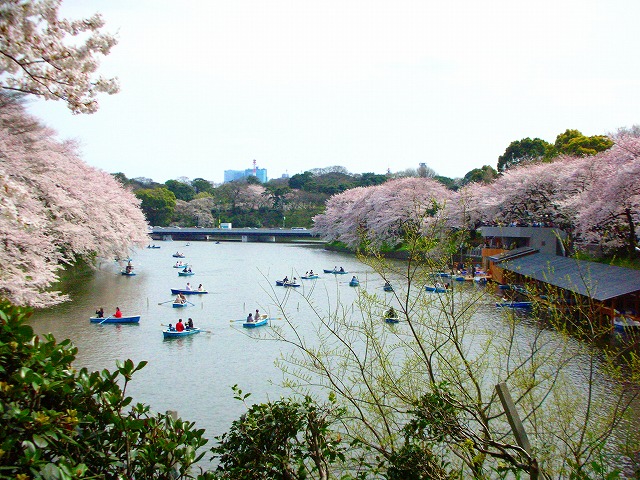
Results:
260 173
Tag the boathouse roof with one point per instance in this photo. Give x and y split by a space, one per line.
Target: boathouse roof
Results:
595 280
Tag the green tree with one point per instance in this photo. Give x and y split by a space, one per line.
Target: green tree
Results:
486 174
63 423
573 142
202 186
300 180
280 440
278 195
253 180
525 150
369 178
158 205
182 191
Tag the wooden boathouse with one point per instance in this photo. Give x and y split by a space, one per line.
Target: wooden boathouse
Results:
595 289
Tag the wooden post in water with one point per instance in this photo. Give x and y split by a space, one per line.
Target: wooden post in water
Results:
516 426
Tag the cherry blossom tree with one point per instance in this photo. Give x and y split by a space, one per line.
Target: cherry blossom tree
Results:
53 58
55 211
380 212
608 213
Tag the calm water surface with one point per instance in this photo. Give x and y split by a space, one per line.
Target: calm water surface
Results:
194 375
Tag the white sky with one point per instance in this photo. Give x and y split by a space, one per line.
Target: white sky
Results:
210 85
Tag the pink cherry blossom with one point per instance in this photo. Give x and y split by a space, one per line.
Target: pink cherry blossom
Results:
50 57
55 210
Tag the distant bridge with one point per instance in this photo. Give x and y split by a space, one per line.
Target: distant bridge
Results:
238 234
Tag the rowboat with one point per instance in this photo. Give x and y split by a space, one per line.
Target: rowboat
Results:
153 246
178 255
514 304
309 277
179 305
184 333
354 283
127 319
430 288
282 283
176 291
622 324
181 266
264 319
392 320
185 274
336 272
388 288
127 274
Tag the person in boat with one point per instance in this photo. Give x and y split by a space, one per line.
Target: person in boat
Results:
189 270
118 313
256 317
100 312
342 269
311 273
189 324
188 287
186 269
387 284
391 313
250 318
171 329
200 288
179 326
354 279
285 279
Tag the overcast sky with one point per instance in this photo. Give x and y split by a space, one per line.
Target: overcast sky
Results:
209 85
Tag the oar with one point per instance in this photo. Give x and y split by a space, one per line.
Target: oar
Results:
191 303
244 319
161 303
107 318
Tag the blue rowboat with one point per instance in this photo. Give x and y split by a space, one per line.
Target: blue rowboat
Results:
280 283
388 288
185 333
153 246
336 272
264 319
181 266
309 277
392 320
127 319
430 288
179 305
178 255
514 304
127 274
354 283
176 291
185 274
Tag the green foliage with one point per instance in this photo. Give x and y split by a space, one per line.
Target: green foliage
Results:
486 174
520 151
158 205
285 439
573 142
58 423
182 191
202 186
